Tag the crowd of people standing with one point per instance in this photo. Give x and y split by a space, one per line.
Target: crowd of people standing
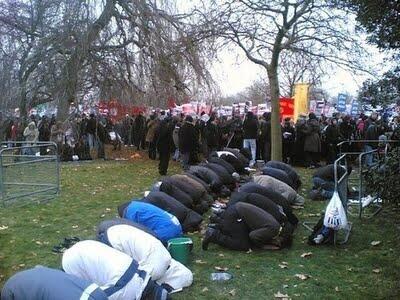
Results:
306 142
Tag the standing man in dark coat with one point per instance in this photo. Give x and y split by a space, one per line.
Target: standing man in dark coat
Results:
265 137
288 138
211 135
187 141
300 138
312 142
140 126
163 138
333 137
250 133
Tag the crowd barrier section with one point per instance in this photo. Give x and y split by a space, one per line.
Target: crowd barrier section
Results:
27 176
368 205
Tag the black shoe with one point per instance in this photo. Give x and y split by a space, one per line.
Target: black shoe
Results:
207 238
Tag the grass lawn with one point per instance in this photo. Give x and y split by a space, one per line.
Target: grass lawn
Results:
91 192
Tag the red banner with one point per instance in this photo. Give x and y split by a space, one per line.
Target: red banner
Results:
117 111
286 107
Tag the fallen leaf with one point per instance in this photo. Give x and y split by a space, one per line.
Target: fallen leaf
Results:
337 289
75 226
200 262
285 286
221 255
38 242
375 243
204 290
279 295
306 254
237 267
221 268
108 209
21 265
232 293
102 216
283 266
249 251
350 269
302 276
376 271
284 263
3 227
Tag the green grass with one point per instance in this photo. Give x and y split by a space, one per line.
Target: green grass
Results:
92 191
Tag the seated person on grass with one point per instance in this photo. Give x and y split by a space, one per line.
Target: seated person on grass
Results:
324 182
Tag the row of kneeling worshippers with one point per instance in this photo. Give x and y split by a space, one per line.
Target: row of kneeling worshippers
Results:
130 259
127 261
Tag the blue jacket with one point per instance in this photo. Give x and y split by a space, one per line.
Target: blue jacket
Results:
165 225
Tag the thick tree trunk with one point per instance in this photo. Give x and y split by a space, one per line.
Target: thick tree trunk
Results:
276 131
75 63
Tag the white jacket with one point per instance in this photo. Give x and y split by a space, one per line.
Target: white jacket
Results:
103 265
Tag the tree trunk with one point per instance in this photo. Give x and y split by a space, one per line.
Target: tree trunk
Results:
276 131
79 56
22 100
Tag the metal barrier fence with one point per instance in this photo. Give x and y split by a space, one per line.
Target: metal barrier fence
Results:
341 186
26 175
360 198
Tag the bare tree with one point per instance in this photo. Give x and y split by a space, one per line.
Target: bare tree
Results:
136 50
266 29
295 68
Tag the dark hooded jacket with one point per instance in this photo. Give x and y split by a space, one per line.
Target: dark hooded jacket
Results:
288 169
209 176
223 163
223 174
260 201
189 219
252 187
278 174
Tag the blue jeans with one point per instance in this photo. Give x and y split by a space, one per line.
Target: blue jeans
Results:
176 155
327 187
368 157
185 160
251 144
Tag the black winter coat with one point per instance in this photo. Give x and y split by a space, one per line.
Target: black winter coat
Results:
187 138
223 163
250 128
163 136
280 175
252 187
189 219
260 201
208 176
289 171
170 189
